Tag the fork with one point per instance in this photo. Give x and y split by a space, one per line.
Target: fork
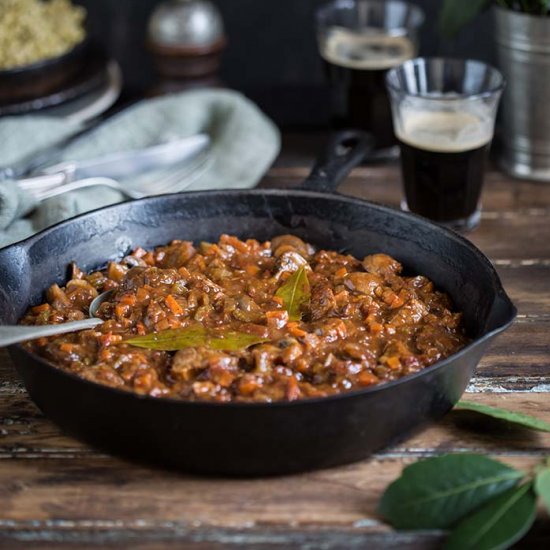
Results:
171 181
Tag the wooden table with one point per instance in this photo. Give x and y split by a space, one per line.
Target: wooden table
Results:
56 491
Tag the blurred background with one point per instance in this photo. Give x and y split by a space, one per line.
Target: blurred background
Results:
271 54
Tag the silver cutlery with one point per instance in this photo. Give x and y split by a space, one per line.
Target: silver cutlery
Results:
12 334
173 180
118 165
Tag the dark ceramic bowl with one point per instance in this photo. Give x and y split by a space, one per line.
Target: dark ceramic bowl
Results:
43 77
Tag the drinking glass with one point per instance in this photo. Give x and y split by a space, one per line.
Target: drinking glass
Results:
444 116
359 40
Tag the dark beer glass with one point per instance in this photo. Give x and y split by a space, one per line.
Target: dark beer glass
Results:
444 116
359 40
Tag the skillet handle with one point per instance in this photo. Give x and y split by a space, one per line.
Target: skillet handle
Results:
345 150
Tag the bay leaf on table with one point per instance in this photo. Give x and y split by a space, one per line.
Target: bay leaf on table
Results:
437 492
497 524
542 485
522 419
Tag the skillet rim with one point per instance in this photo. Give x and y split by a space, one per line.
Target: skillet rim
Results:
25 244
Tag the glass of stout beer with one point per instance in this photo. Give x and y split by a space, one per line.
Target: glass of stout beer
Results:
359 40
444 116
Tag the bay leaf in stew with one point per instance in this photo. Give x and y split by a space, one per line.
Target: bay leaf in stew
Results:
296 293
195 336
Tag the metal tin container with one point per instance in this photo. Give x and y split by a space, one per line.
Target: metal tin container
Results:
523 44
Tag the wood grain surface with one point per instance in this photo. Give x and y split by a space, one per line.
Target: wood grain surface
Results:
57 492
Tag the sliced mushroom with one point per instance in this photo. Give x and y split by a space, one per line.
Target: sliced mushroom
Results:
382 264
286 243
289 261
247 310
365 283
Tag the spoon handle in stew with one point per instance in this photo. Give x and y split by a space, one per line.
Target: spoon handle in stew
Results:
12 334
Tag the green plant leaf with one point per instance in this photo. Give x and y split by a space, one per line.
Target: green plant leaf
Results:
498 524
295 293
457 13
193 336
542 487
522 419
437 492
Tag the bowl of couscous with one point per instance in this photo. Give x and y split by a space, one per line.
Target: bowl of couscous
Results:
43 46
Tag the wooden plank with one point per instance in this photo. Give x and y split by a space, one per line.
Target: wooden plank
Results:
181 536
97 490
528 287
82 535
382 183
522 237
523 350
26 433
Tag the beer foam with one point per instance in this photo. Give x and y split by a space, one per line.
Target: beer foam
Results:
367 50
444 131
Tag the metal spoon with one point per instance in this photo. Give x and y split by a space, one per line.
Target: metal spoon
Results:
12 334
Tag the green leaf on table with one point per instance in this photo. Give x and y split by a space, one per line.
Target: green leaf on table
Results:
193 336
498 524
295 293
522 419
455 14
542 486
437 492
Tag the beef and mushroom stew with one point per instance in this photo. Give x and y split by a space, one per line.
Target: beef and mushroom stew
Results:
249 321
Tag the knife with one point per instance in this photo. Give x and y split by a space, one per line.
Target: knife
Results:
120 165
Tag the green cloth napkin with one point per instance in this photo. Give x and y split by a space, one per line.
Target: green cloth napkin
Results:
244 144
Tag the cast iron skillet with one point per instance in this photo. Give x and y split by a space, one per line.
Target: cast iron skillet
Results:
256 438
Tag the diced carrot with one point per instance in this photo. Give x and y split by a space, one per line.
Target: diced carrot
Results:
41 308
120 310
142 294
184 272
273 314
375 327
248 386
128 299
393 362
215 249
295 330
172 303
67 347
366 378
149 258
236 243
140 328
278 300
292 389
105 339
342 272
252 269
